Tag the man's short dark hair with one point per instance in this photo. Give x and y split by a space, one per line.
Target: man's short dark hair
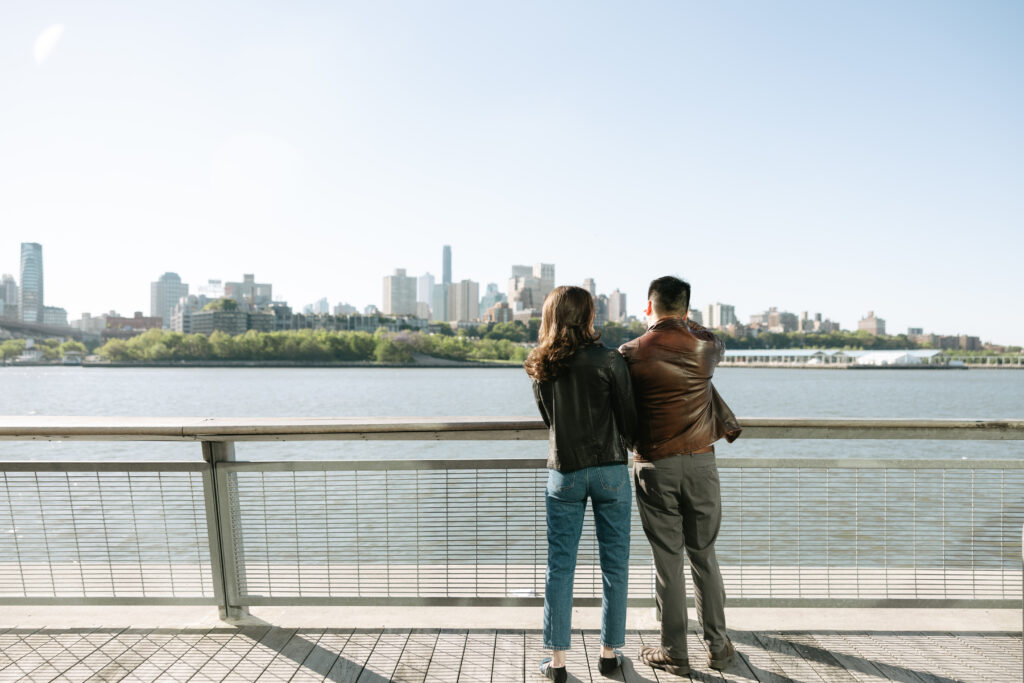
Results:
670 295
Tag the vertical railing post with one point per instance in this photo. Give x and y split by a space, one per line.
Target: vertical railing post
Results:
222 516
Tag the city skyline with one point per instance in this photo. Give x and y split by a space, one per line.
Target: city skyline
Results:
710 314
833 159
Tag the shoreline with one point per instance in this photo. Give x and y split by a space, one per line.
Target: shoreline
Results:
440 363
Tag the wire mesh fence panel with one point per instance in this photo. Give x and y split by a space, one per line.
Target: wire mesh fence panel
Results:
104 535
422 533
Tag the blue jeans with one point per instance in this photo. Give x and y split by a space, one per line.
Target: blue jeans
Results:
566 500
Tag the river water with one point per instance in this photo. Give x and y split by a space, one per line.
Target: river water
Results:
415 392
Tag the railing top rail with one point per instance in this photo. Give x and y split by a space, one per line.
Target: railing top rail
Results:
394 464
35 427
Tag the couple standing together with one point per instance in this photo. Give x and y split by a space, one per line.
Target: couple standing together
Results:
653 395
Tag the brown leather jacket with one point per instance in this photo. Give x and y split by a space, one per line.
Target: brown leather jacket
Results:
678 409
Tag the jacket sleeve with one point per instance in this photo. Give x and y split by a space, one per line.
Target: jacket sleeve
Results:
623 402
725 421
710 353
540 403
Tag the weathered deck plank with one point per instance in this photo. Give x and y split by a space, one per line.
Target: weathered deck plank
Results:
267 653
318 663
446 659
353 657
412 667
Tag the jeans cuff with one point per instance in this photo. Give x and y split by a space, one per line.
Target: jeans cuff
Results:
549 646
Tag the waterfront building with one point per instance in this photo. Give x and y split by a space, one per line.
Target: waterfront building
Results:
525 315
321 306
968 343
261 321
718 315
736 330
90 325
500 312
399 293
529 285
213 289
164 295
915 331
491 297
8 297
422 310
871 324
53 315
345 309
439 303
425 288
464 301
120 327
814 325
30 296
249 294
282 313
617 306
781 321
446 265
960 342
696 316
370 309
181 314
546 273
600 310
227 321
772 320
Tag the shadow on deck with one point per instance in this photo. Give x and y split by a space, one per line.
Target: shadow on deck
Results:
268 653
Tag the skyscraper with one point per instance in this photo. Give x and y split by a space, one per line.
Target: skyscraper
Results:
528 286
718 315
399 294
590 286
8 297
424 288
164 295
617 306
464 301
439 302
491 296
250 295
30 300
446 272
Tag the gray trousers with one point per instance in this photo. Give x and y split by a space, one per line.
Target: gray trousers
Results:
680 505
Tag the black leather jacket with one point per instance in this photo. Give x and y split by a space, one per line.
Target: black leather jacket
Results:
589 410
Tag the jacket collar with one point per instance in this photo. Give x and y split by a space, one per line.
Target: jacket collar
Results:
670 321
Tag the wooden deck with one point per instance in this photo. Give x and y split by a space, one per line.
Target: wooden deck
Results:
268 653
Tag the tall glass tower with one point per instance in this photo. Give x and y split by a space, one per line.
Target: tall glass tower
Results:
446 271
30 304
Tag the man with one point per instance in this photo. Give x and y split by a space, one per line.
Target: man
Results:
680 416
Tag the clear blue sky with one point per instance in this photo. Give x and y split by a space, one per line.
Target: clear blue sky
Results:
821 156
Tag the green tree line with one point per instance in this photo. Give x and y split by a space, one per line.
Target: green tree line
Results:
309 345
53 349
819 340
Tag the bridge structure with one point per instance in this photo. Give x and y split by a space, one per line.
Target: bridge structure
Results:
243 536
16 329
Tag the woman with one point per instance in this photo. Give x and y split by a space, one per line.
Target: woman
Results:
584 394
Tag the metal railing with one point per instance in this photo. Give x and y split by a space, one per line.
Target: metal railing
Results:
811 532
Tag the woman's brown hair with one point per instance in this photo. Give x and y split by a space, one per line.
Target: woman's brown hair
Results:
566 324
